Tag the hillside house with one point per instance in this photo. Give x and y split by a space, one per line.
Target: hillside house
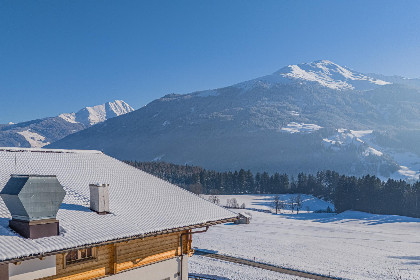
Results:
85 215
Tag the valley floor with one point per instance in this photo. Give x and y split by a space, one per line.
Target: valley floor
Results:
352 245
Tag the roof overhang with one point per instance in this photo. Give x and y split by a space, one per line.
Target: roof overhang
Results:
126 239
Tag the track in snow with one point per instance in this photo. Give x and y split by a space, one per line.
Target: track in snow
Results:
266 266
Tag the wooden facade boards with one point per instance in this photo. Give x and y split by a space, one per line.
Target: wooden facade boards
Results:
117 257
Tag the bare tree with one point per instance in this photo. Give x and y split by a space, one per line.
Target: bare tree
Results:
298 203
235 203
232 203
277 203
292 203
214 199
243 206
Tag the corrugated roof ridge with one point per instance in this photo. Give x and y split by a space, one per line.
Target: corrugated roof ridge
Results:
41 150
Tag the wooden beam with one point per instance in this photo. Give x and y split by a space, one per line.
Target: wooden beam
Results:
114 259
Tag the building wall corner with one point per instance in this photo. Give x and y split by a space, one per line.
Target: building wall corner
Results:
4 271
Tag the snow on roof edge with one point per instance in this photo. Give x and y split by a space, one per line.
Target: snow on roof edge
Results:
41 150
117 240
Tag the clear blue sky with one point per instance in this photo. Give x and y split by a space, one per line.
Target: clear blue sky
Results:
59 56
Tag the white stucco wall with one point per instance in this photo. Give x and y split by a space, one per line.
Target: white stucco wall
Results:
33 269
168 269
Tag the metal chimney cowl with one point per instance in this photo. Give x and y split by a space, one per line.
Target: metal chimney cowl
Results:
33 201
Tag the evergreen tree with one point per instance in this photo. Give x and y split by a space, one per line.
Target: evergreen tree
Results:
367 193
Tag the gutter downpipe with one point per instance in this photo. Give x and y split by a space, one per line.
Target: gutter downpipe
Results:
182 247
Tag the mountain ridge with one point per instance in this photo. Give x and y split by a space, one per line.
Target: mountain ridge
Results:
41 132
323 72
289 121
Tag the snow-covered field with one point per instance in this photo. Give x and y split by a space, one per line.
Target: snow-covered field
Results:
353 245
265 202
222 270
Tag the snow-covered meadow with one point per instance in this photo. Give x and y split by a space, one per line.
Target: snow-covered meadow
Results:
353 245
265 202
222 270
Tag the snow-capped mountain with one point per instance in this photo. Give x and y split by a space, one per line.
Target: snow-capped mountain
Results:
38 133
92 115
322 72
306 117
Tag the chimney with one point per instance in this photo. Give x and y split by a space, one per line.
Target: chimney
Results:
33 201
99 198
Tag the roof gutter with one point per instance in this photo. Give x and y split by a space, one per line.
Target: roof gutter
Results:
182 246
114 241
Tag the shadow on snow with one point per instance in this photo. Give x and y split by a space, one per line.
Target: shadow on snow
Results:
351 216
413 260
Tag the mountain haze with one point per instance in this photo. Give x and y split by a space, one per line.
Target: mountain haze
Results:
306 117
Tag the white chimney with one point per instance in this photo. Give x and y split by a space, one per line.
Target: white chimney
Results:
99 198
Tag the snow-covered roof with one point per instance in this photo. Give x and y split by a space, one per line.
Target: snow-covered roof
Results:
140 203
246 215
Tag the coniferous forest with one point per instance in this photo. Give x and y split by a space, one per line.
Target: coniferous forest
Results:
368 193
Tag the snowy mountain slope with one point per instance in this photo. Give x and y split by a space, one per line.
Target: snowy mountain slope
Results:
38 133
322 72
92 115
34 139
411 82
288 121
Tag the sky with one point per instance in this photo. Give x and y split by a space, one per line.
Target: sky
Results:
62 55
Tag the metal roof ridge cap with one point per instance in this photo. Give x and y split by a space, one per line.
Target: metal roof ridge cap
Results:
42 150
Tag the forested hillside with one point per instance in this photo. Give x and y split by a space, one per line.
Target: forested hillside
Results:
367 193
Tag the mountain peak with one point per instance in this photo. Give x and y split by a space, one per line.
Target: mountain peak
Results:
322 72
329 74
41 132
99 113
323 61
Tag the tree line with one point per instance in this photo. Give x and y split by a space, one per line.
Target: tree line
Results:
367 193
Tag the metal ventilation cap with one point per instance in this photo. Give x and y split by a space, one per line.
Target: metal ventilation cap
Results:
33 197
